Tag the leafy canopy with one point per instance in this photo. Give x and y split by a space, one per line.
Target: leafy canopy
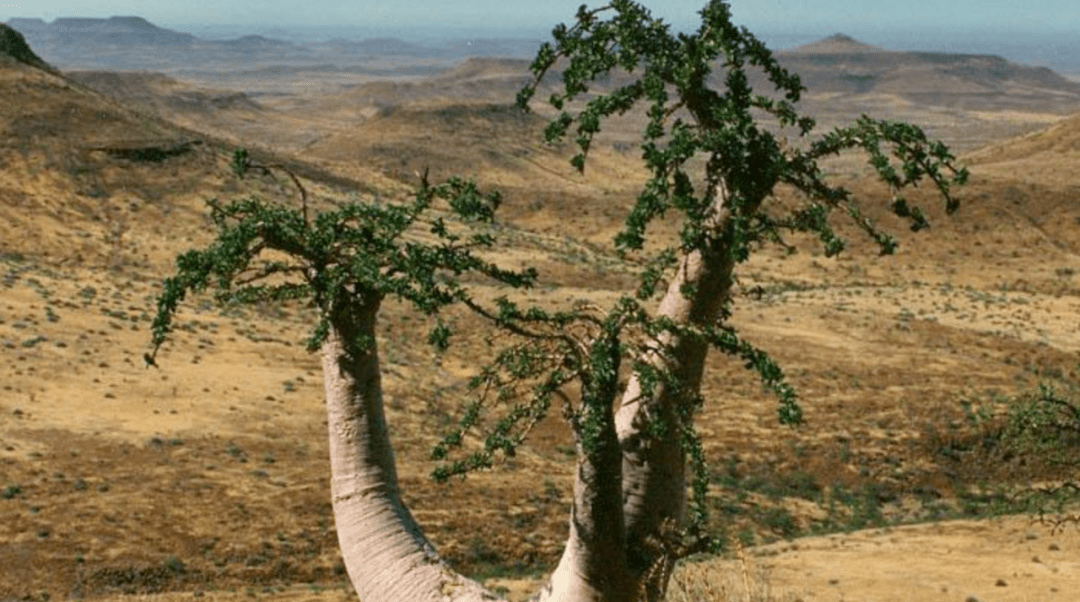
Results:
716 157
697 93
714 149
358 252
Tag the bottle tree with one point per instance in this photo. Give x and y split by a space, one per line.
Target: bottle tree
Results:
716 164
716 161
344 263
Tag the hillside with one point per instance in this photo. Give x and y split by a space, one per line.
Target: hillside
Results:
156 92
78 167
207 477
225 114
72 173
1055 147
13 47
475 79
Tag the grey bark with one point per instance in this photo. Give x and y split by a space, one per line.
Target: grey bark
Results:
654 469
386 554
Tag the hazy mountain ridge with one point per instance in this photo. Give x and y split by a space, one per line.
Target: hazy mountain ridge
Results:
834 65
133 43
843 65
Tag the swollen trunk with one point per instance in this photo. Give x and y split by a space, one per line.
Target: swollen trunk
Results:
654 468
385 553
593 565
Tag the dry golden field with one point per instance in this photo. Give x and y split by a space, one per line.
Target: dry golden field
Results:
208 477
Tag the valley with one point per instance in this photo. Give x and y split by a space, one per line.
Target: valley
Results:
207 477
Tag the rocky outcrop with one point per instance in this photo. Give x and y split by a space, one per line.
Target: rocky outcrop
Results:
13 44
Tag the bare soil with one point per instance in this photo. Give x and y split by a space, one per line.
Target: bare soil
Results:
207 477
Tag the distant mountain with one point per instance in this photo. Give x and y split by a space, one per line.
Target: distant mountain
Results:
258 43
836 65
376 46
841 64
133 43
837 44
27 26
516 48
115 30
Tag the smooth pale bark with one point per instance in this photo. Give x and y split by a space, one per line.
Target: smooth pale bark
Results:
654 469
593 567
386 554
625 489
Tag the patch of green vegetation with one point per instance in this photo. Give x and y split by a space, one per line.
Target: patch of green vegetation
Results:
990 456
780 521
235 452
1039 427
33 341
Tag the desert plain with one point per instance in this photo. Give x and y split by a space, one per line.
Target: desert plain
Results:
207 476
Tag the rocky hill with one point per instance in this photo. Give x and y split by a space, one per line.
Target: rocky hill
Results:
13 46
1060 141
78 167
162 94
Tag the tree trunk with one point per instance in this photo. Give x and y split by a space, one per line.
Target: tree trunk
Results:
654 468
593 567
386 554
626 487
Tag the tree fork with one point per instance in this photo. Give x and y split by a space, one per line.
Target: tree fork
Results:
594 565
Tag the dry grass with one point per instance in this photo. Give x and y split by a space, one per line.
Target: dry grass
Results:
741 581
109 471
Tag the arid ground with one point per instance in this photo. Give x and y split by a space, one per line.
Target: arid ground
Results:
207 477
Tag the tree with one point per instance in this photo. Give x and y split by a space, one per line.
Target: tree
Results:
725 215
345 262
716 160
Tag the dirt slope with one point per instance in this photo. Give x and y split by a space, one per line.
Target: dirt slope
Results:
1048 157
77 168
223 114
207 477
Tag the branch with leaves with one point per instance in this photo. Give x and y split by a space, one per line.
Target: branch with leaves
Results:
356 249
718 164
